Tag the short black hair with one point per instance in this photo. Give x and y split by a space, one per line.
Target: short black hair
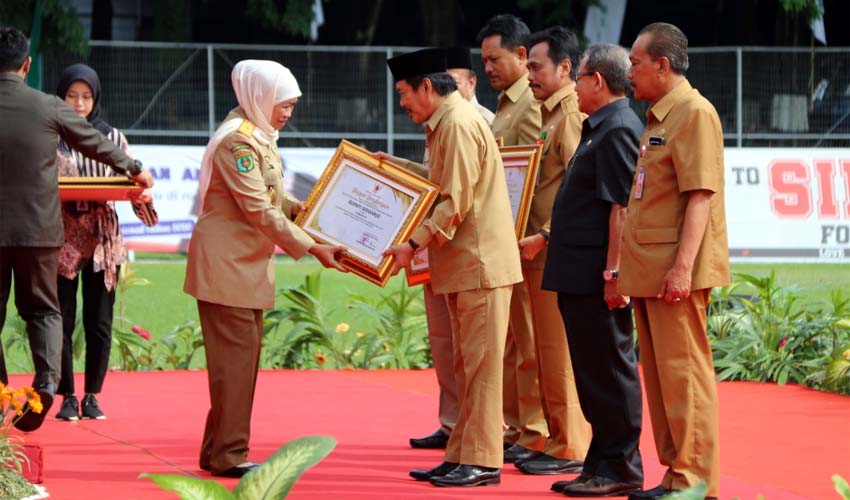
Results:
512 29
668 41
443 83
14 48
563 44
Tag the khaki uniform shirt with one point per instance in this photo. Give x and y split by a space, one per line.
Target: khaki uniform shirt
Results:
561 132
245 215
681 151
517 119
485 113
470 236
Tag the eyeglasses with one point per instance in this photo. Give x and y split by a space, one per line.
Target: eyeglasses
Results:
581 75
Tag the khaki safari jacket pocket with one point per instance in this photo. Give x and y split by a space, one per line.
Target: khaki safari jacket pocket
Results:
649 235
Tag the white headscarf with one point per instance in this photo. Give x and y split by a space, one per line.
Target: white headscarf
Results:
258 85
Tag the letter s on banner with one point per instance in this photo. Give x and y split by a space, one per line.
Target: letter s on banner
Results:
790 195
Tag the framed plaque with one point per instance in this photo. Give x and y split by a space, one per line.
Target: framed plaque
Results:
366 205
97 188
521 164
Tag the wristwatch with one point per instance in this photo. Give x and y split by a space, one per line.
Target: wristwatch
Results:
610 275
136 169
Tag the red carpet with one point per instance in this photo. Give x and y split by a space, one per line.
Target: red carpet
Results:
782 442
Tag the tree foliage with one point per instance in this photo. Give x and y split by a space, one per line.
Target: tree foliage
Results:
294 20
61 31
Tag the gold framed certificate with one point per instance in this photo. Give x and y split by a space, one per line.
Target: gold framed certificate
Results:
97 188
521 165
366 205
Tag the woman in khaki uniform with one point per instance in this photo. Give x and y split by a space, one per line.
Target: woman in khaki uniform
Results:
244 214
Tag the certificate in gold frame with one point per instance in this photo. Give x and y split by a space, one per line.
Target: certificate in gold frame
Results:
366 205
521 165
97 188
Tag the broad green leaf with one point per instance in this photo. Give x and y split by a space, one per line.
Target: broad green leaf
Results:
190 488
841 486
276 476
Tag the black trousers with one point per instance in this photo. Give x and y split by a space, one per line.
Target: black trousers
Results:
34 270
605 368
98 304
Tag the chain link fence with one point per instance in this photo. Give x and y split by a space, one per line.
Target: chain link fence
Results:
163 93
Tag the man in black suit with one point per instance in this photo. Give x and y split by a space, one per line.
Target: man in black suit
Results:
31 231
582 266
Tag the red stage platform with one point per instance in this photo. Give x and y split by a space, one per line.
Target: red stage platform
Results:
782 442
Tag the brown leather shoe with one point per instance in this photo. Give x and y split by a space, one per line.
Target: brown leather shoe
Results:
558 486
438 439
544 464
469 475
599 486
440 470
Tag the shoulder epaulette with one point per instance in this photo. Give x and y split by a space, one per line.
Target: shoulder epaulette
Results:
246 128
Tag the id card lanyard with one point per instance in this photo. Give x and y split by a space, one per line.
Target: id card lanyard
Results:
641 174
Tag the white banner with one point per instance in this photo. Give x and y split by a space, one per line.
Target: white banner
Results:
788 204
175 169
782 205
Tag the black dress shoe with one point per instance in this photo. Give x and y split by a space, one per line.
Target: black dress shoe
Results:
469 475
544 464
517 453
237 471
438 439
657 492
558 486
205 467
31 420
598 486
440 470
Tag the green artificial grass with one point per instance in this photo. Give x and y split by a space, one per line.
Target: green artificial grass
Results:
162 305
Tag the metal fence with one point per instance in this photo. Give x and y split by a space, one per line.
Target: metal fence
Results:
166 93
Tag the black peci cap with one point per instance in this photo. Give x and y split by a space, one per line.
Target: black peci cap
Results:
421 62
458 57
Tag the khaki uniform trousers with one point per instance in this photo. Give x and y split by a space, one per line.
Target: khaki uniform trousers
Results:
479 326
522 406
440 336
232 340
681 391
569 432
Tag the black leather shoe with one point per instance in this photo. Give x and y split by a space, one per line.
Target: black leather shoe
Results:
517 453
544 464
31 420
558 486
237 471
657 492
598 486
205 467
469 475
440 470
438 439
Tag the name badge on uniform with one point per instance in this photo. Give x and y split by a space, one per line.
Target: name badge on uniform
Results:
655 140
639 182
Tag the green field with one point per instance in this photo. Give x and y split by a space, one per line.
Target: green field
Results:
162 305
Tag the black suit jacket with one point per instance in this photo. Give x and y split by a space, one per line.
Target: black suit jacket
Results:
599 175
31 125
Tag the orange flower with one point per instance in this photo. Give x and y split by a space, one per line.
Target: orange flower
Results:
321 358
342 328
